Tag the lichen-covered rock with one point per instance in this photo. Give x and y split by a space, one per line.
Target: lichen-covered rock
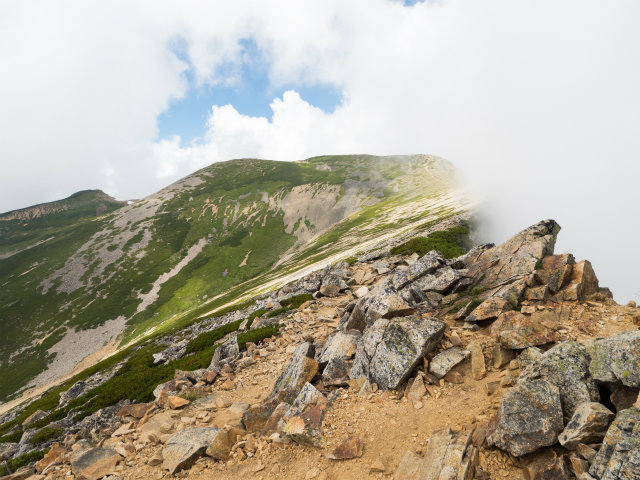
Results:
566 366
386 304
530 417
446 360
588 424
300 369
616 359
229 350
336 372
619 455
184 448
517 331
428 263
391 349
7 450
491 308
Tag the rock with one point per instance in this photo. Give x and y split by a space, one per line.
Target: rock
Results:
529 418
443 281
517 331
336 373
624 397
332 285
417 391
588 424
540 293
386 304
489 309
351 447
448 455
95 463
300 369
256 417
221 445
428 263
616 360
209 376
361 292
529 355
566 366
391 349
501 356
157 425
491 387
446 360
23 473
34 417
619 455
381 266
556 271
341 345
586 452
583 282
517 257
306 428
229 350
156 459
176 402
376 467
185 447
135 410
7 450
478 367
54 456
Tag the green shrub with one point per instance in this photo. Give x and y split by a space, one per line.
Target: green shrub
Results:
256 314
25 459
450 243
256 335
12 437
207 339
45 434
351 260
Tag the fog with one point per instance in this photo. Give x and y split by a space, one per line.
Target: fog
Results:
537 103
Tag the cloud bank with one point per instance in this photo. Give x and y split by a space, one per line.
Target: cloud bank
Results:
536 102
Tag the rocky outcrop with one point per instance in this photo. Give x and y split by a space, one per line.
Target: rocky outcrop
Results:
517 331
530 418
300 369
391 349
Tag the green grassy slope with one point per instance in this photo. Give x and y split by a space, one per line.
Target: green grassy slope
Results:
214 235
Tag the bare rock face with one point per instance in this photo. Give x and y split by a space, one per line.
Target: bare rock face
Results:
449 455
428 263
588 424
340 345
443 281
185 447
7 450
225 352
517 331
516 257
332 285
391 349
583 282
300 369
530 418
616 360
619 455
95 463
556 271
566 366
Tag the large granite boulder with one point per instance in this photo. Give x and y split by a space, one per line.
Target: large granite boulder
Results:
616 360
619 455
184 448
530 418
566 366
391 349
588 425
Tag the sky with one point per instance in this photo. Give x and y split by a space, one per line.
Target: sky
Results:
536 102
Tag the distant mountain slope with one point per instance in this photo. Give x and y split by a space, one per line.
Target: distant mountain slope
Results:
70 281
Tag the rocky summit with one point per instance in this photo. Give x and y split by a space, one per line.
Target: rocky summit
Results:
419 356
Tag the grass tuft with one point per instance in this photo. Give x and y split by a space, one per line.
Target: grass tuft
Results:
450 243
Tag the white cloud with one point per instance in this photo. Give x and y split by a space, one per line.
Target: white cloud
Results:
536 102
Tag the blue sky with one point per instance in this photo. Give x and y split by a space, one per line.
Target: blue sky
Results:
251 95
